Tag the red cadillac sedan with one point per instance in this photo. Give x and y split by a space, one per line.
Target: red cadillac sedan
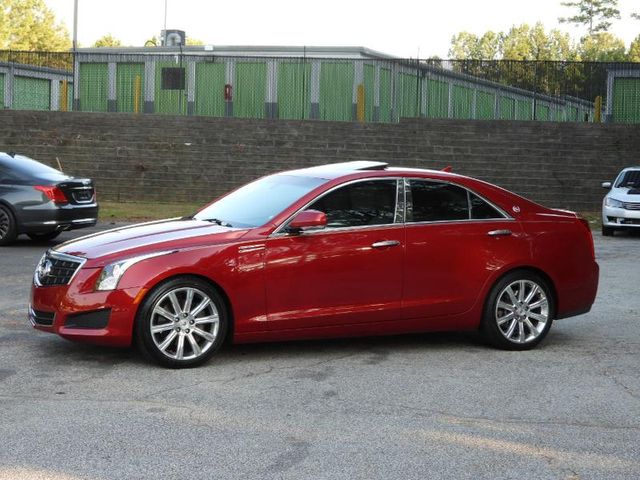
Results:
347 249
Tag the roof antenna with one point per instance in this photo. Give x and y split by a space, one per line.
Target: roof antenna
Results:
448 169
12 154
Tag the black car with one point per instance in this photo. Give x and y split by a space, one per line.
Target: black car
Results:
41 201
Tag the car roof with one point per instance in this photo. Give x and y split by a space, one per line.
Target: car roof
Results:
332 171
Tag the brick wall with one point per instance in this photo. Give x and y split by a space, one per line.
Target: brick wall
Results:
141 157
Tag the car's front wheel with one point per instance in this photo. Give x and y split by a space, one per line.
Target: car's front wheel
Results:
518 312
8 227
608 231
182 323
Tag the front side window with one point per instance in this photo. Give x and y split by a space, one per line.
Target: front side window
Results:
371 202
436 202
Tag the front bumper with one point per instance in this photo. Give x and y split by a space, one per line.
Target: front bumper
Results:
75 312
620 217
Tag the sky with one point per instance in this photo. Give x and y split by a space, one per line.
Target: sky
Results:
399 27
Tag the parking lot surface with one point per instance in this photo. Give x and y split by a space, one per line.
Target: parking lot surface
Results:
418 406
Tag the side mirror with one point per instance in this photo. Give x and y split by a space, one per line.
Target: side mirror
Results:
307 220
606 184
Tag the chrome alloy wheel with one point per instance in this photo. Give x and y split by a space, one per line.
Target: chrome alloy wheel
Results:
522 311
184 323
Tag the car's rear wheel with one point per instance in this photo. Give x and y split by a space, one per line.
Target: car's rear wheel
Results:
182 323
518 312
43 237
8 227
608 231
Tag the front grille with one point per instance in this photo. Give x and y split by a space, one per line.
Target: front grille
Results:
41 318
82 195
631 206
56 269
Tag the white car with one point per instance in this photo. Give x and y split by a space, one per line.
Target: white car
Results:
621 206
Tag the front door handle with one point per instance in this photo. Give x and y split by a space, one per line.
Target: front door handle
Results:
499 233
385 243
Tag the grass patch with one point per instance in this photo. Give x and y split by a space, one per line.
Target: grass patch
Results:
139 211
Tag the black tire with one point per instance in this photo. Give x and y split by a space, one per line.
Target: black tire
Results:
181 324
608 231
44 237
510 322
8 227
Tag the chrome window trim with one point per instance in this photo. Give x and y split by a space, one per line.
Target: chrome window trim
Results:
63 257
409 204
397 214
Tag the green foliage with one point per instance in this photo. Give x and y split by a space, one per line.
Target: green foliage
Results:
602 47
521 42
595 14
107 41
152 42
634 50
30 25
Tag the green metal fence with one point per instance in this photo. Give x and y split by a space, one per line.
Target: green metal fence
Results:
334 89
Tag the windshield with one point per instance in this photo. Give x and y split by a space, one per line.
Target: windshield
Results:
630 179
258 202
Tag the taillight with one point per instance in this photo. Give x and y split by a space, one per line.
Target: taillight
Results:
53 193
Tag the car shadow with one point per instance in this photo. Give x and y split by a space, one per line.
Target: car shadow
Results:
375 349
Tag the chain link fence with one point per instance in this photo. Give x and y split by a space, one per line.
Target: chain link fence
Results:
320 88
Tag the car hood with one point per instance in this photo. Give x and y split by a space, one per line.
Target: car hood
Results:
624 195
140 239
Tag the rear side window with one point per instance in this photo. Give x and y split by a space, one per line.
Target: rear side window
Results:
370 202
440 202
436 202
481 210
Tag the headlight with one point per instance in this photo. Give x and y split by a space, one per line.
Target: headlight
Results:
112 273
612 202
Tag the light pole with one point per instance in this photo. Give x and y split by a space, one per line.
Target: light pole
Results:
163 41
75 25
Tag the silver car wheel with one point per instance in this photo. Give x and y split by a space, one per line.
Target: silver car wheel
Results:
184 323
522 311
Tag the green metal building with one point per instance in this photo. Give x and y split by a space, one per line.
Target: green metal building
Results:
623 95
27 87
324 83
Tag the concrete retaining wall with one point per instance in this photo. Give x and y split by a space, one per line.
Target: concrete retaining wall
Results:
167 159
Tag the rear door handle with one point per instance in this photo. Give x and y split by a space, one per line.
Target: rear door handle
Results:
385 243
499 233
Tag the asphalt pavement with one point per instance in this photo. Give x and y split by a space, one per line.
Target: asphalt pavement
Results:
430 406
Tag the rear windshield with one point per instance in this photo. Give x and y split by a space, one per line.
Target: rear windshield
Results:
630 179
20 168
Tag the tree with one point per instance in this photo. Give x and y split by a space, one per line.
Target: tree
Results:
636 16
595 14
521 42
468 46
634 50
30 25
107 40
602 47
